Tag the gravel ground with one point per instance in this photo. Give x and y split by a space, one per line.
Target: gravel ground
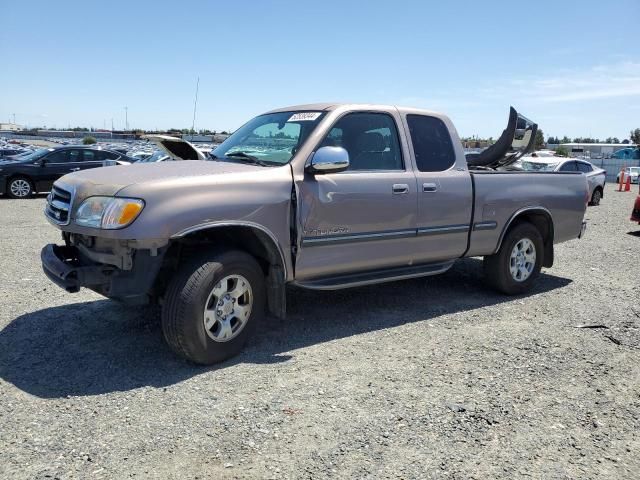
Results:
429 378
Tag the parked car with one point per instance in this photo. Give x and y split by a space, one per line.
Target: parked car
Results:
596 176
37 172
324 196
157 156
629 153
635 213
632 172
10 152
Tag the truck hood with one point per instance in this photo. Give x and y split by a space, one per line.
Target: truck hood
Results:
111 180
176 147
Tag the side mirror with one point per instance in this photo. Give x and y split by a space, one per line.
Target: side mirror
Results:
329 160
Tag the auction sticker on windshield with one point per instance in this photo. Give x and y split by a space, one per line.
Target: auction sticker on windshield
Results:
304 116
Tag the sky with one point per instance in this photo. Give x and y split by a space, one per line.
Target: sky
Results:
571 66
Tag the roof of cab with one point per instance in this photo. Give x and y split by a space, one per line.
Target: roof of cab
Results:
358 106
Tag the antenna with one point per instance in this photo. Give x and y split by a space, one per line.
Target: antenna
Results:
195 104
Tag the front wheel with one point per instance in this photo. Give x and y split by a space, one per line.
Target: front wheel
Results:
514 269
20 187
596 197
212 305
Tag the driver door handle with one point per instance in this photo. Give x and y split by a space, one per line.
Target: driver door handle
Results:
429 187
400 188
74 169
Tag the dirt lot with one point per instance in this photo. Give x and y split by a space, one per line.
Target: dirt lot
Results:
429 378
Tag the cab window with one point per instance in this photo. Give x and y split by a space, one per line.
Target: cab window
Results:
371 140
584 167
58 156
88 155
568 167
431 142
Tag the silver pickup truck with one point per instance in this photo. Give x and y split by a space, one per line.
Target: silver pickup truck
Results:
322 196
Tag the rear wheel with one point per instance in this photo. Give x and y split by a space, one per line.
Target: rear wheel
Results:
212 305
517 264
20 187
596 197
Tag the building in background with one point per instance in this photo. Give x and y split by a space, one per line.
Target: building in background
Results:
10 127
594 150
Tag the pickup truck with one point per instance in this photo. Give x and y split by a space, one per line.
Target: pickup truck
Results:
321 196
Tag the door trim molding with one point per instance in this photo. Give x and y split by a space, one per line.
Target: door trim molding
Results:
384 235
443 229
357 237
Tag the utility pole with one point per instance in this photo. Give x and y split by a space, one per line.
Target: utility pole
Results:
14 118
195 104
126 118
112 124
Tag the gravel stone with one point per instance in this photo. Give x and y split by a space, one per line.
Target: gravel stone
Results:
354 384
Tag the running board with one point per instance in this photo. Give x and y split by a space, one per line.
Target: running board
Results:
375 276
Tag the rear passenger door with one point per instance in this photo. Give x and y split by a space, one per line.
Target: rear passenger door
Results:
592 179
445 194
364 218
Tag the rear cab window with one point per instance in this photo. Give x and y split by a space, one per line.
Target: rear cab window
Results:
568 167
432 145
584 167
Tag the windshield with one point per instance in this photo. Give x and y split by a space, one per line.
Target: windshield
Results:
271 139
539 166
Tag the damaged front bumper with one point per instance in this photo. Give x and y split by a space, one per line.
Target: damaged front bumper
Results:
70 268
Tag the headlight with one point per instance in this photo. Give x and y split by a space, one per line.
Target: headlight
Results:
109 213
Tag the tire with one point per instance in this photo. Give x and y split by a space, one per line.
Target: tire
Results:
596 197
20 187
192 318
498 267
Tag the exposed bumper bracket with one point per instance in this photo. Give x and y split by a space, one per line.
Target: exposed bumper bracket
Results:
61 265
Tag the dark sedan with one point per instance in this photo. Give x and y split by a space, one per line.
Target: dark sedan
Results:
36 172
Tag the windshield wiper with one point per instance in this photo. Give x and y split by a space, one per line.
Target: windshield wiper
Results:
245 157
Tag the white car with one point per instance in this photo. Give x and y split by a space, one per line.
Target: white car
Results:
632 172
596 176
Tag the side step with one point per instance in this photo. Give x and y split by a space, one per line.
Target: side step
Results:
375 276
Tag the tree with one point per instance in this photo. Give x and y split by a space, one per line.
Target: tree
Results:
634 136
562 152
88 140
565 139
539 142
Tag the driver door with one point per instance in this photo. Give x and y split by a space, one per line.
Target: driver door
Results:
364 218
55 165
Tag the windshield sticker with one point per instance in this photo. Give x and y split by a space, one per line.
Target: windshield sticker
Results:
304 117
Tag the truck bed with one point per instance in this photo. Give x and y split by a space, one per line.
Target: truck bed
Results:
501 195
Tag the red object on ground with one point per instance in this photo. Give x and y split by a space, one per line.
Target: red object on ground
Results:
627 186
635 213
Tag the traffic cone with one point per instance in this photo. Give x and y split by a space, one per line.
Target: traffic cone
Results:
627 186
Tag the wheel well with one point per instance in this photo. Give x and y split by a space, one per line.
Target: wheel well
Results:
543 222
600 189
248 239
20 175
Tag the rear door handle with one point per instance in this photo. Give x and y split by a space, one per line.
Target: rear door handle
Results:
400 188
74 169
429 187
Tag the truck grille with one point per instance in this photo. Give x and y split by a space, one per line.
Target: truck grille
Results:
58 206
